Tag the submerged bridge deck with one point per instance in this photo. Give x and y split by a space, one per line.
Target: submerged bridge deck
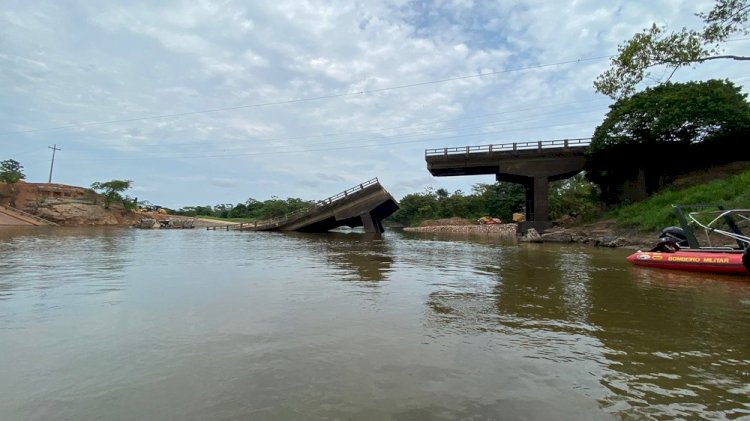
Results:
366 205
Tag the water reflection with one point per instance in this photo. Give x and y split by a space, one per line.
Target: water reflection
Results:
674 342
233 325
521 287
362 256
661 342
44 258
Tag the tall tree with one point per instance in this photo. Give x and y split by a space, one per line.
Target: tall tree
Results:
111 190
11 171
657 46
668 130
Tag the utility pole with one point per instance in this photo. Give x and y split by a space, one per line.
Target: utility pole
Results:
52 165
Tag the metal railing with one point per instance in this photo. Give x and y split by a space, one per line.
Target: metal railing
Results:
317 206
508 147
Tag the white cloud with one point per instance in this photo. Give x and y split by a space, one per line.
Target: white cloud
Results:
264 63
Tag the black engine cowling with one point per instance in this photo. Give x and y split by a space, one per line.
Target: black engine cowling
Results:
676 234
666 245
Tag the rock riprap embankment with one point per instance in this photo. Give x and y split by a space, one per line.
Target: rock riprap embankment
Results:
489 229
597 237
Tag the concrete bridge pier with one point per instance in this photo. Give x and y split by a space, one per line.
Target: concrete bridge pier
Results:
537 211
370 224
537 203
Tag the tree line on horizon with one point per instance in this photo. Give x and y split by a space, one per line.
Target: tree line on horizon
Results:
250 209
574 196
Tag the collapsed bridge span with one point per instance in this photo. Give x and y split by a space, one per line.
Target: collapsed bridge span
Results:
365 205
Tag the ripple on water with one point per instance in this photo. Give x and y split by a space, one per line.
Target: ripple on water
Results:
199 324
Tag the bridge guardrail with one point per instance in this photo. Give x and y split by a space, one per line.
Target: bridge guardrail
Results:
507 147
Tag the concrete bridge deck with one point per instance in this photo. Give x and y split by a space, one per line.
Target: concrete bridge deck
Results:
532 164
15 217
366 205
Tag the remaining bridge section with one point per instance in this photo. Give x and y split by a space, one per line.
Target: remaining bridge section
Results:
532 164
365 205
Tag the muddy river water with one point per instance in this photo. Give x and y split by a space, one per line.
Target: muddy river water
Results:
211 325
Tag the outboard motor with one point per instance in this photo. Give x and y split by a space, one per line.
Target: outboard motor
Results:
746 259
670 240
666 245
676 234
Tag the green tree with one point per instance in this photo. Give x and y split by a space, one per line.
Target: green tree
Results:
657 46
575 196
453 205
195 211
11 172
667 130
222 210
111 190
500 200
238 211
415 208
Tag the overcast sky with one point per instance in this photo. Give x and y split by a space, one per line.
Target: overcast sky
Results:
207 102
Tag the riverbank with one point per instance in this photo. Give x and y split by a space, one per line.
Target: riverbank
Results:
601 233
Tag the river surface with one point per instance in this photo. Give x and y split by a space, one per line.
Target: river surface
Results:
126 324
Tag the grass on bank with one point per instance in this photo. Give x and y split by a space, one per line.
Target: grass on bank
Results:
655 213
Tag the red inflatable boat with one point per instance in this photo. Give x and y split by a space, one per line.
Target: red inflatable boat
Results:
694 260
678 247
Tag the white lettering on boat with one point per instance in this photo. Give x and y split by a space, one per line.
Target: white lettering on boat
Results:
690 259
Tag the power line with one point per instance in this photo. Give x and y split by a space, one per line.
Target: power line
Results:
407 126
372 138
318 98
458 136
378 135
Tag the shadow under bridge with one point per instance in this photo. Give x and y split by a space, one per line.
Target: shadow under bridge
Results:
365 205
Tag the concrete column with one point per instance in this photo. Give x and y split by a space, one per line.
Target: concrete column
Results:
541 199
528 187
370 224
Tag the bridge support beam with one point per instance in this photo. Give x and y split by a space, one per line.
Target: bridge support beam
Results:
537 204
370 224
536 188
541 202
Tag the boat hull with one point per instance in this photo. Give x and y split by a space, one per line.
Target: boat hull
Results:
692 260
